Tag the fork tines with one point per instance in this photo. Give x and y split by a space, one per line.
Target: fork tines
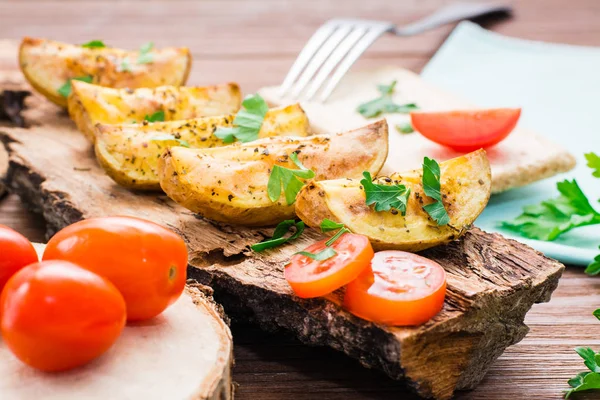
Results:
337 43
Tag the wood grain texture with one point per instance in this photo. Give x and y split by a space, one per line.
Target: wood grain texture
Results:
492 281
275 366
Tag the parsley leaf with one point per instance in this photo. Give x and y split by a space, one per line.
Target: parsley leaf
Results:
594 163
325 254
65 90
183 143
146 55
282 177
125 65
586 380
384 197
432 187
405 128
158 116
551 218
384 103
278 237
594 269
329 225
94 44
247 122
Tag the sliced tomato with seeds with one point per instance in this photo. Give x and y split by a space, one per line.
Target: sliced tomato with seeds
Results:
400 288
466 130
311 278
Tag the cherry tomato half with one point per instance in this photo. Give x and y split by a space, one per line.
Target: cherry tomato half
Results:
466 130
311 278
57 316
15 253
145 261
400 288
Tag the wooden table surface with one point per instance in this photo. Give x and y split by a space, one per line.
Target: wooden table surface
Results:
254 43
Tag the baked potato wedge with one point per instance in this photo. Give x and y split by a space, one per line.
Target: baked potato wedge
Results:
48 65
91 104
230 184
465 187
129 153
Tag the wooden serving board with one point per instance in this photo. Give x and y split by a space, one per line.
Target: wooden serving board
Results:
185 353
492 281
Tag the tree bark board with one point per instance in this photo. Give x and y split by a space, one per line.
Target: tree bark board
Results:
492 281
185 353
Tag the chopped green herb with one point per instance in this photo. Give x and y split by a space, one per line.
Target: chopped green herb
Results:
385 197
278 237
247 122
586 380
432 187
384 103
158 116
325 254
329 225
165 138
146 55
287 179
65 90
94 44
337 236
594 163
405 128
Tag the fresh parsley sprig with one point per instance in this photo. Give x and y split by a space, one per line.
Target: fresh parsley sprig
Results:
247 122
146 56
94 44
552 218
586 380
327 225
384 103
432 187
384 197
405 128
286 178
279 233
65 90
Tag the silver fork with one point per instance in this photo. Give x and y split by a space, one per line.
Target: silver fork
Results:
340 42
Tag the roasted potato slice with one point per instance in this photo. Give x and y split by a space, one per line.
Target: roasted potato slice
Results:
48 65
465 187
129 154
229 184
91 104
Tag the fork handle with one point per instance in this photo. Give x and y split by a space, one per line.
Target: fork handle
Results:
452 13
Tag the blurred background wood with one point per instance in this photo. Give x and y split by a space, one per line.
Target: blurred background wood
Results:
254 42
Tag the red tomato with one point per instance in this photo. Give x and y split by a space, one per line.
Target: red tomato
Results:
400 288
57 316
145 261
311 278
15 253
466 130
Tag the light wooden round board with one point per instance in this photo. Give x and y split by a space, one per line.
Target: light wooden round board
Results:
185 353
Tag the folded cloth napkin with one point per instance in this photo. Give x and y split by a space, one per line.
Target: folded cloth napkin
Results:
558 87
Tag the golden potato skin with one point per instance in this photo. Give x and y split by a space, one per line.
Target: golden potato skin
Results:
47 65
465 185
92 104
229 184
130 157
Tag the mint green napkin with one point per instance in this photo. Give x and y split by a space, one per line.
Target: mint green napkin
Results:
558 87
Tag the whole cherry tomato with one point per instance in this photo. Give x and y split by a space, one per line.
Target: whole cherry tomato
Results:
15 253
145 261
466 130
57 316
312 278
400 288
